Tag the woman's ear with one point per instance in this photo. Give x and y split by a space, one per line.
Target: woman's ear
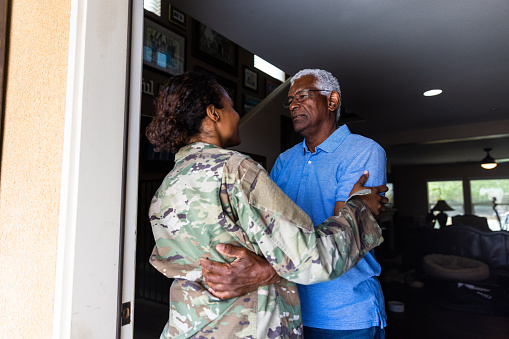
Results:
212 113
333 101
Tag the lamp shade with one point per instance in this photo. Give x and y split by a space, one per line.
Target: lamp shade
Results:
442 206
488 162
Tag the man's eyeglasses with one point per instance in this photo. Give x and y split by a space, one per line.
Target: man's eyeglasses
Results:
302 95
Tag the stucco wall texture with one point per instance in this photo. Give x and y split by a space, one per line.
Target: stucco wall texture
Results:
31 165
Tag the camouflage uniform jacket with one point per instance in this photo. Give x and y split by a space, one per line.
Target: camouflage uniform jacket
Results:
213 196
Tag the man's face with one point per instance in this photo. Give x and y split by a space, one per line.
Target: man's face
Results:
312 115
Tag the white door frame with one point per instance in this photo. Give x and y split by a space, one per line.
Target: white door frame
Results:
91 213
131 184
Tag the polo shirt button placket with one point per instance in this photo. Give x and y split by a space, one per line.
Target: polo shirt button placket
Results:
311 155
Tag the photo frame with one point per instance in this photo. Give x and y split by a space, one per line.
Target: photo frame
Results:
177 17
229 86
248 103
250 78
271 85
163 49
215 48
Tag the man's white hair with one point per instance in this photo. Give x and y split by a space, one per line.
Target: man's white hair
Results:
324 80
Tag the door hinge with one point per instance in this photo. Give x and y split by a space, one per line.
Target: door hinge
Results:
126 313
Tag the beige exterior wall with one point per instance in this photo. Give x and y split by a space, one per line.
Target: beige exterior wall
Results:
31 165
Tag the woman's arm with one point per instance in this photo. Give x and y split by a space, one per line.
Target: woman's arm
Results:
285 235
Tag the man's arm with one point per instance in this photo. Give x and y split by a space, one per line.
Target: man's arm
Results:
372 159
250 271
243 275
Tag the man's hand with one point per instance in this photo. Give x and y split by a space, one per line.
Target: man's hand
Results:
374 201
229 280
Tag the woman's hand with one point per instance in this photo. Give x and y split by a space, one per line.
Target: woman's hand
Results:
374 201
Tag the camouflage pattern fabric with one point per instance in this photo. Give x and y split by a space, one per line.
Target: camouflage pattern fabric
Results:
216 196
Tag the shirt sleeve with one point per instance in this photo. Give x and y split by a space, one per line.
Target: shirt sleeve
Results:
285 235
274 173
372 159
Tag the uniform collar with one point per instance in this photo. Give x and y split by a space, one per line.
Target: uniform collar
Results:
333 141
192 148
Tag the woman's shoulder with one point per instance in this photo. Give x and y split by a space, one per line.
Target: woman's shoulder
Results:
219 155
242 165
232 161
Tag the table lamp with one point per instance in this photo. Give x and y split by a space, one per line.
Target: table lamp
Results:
442 217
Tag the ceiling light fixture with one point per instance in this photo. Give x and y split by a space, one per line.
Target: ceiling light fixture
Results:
432 92
488 162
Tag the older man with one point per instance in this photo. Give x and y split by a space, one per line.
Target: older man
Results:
317 175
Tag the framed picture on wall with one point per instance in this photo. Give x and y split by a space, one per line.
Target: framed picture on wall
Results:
163 49
177 16
249 102
215 48
270 86
250 79
229 86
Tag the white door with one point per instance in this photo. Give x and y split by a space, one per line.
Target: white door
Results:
131 182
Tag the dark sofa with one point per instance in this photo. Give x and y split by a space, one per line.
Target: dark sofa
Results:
491 247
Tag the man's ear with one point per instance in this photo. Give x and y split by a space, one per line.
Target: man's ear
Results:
333 101
212 113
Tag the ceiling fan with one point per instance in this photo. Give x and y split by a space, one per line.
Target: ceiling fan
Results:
489 162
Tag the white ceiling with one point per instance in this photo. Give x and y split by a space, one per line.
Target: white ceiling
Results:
385 55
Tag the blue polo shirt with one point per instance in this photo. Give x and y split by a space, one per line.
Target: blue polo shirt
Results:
315 182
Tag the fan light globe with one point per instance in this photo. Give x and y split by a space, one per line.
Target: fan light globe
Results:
488 162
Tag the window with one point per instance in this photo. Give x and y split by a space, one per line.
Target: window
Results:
153 6
483 192
390 195
451 192
268 68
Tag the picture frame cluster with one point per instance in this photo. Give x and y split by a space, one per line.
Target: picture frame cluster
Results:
167 51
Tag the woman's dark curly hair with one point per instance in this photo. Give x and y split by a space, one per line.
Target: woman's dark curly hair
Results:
180 109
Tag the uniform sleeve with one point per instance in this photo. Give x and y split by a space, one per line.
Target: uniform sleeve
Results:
285 234
372 159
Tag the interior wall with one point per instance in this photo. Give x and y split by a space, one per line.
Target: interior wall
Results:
196 61
410 189
260 130
31 165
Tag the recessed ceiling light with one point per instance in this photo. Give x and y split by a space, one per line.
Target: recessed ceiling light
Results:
432 92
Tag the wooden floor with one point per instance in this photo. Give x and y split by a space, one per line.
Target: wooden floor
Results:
429 313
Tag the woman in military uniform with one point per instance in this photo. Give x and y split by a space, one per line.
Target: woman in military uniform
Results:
214 195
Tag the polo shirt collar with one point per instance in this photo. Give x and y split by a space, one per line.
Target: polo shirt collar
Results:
333 141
